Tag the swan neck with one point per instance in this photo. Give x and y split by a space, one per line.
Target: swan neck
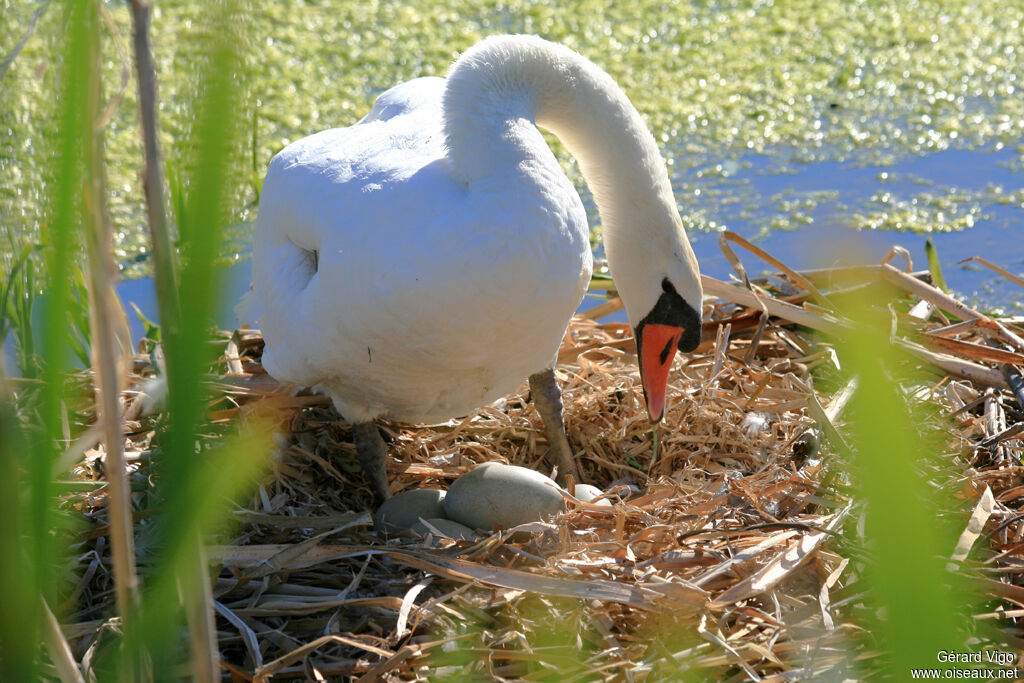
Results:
503 81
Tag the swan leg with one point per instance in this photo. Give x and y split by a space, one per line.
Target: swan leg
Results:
373 456
547 397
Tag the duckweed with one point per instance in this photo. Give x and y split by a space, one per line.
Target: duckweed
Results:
798 82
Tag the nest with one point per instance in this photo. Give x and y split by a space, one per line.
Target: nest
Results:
722 553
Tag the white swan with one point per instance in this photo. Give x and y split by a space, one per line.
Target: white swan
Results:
424 261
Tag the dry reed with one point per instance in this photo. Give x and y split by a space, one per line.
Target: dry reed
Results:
724 553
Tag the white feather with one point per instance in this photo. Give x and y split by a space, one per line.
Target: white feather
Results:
424 261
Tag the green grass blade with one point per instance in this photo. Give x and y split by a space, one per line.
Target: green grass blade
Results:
11 286
205 502
920 607
29 542
934 267
151 328
20 584
188 355
193 485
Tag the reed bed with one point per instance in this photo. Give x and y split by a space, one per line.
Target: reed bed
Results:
735 548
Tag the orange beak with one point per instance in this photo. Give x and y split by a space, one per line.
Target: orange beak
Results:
656 347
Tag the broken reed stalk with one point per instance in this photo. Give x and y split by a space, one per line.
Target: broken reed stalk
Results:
1015 279
979 374
104 346
152 174
198 601
772 306
923 290
58 649
794 277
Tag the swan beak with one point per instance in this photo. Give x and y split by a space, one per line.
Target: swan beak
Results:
656 347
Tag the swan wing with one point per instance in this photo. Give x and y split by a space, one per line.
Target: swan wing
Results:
381 276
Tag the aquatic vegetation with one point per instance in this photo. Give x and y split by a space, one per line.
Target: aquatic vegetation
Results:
925 212
801 81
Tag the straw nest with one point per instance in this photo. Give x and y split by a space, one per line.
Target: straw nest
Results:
722 551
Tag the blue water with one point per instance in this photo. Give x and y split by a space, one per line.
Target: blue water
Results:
742 201
995 236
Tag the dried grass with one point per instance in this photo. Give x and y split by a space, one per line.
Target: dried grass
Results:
723 550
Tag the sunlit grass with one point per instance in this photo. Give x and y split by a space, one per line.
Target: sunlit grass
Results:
17 295
195 482
193 485
916 606
28 550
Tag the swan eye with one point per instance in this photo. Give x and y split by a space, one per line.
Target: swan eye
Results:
667 286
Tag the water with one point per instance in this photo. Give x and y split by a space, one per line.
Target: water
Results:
933 191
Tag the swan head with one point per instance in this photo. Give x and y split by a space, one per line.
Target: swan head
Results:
672 323
658 279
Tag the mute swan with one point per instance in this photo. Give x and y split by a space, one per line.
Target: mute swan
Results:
422 262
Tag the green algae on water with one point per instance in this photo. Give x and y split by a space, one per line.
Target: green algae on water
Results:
802 81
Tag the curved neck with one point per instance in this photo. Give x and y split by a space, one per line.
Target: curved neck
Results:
505 82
